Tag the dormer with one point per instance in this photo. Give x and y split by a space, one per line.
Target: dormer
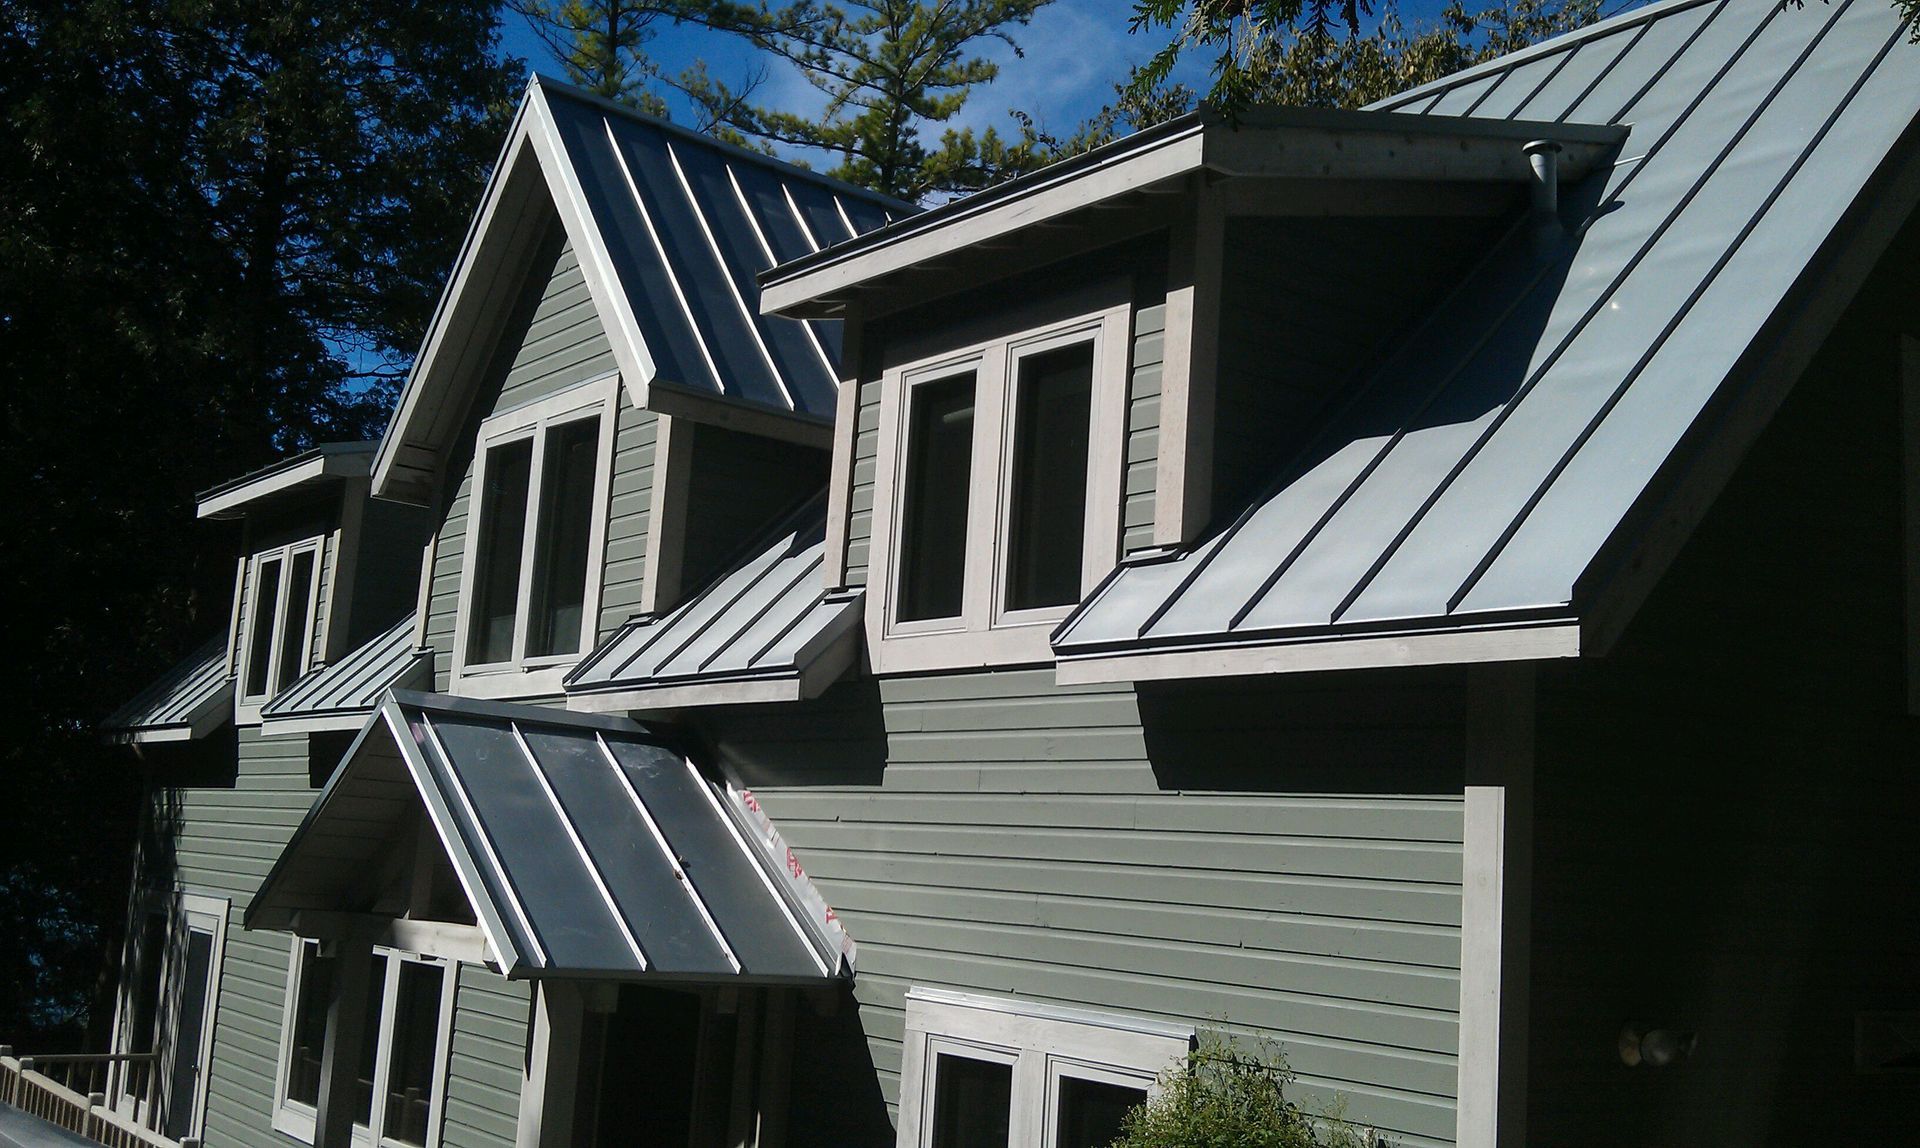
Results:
1090 365
322 567
600 416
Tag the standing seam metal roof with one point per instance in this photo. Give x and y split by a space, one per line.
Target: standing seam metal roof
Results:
689 224
1476 474
766 618
350 688
585 846
189 701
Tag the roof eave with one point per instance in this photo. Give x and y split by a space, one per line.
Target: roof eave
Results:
333 462
1277 143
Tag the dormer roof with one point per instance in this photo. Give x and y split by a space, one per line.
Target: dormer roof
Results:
328 462
671 229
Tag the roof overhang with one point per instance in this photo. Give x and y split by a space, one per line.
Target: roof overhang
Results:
585 847
1504 641
1280 144
188 702
326 463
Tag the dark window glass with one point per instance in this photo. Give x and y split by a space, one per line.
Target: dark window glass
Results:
1052 401
309 1025
265 604
416 1038
148 958
560 545
369 1044
933 550
503 524
1091 1111
971 1103
293 634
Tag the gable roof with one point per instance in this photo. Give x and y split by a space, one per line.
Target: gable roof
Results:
585 847
1465 500
671 229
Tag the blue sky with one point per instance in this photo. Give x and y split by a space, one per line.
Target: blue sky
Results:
1073 53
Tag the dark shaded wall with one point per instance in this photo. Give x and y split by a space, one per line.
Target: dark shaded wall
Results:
1728 806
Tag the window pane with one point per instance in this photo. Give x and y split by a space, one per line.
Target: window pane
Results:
1049 503
933 550
496 578
309 1025
560 546
971 1103
265 604
148 958
369 1044
1091 1111
293 635
416 1037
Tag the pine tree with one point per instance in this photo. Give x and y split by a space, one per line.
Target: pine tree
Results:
602 44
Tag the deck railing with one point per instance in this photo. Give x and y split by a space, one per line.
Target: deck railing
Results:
73 1090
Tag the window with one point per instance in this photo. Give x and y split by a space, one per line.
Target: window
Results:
402 1057
531 582
1003 505
980 1072
282 599
168 996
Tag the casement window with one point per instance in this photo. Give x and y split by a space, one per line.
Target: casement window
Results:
536 532
399 1082
282 602
1000 501
170 987
982 1072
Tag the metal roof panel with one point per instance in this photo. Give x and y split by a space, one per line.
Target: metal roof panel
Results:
187 702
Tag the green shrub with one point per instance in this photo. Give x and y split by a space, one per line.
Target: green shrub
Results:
1232 1094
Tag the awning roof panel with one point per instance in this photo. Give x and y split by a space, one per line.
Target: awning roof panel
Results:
189 701
340 696
586 847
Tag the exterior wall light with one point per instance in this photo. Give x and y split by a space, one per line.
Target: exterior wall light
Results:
1655 1047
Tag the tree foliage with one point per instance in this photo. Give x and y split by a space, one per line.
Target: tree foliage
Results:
223 224
890 73
602 44
1231 1094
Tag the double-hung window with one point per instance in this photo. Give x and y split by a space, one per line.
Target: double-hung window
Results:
1000 505
980 1072
400 1068
536 530
282 601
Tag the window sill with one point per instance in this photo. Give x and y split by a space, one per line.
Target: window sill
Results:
1007 646
512 682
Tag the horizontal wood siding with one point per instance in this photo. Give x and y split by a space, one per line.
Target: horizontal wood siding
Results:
323 607
1726 802
866 448
1143 426
555 341
629 515
489 1045
1284 859
220 840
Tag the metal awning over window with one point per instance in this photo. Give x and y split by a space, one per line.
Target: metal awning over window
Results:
340 696
189 701
585 847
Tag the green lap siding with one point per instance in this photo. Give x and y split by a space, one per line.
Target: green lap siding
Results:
1143 427
1283 857
483 1077
556 340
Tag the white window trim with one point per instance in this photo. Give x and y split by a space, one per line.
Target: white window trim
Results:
523 677
1043 1043
247 706
182 911
296 1119
983 634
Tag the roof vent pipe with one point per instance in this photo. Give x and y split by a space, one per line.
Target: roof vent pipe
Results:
1544 157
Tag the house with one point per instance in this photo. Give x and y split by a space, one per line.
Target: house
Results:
1435 586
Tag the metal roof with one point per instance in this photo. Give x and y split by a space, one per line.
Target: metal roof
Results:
766 630
1474 476
189 701
327 461
341 695
585 846
689 223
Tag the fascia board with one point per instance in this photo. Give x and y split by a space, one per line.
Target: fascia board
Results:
231 502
